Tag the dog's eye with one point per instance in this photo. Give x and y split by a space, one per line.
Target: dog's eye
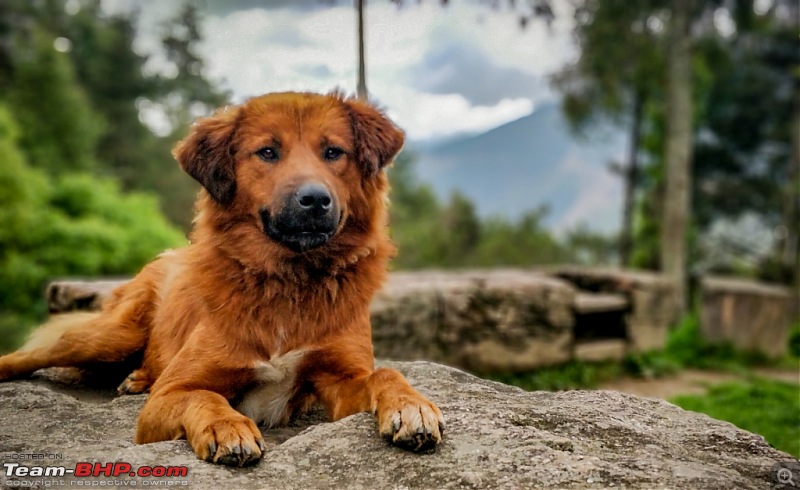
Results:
268 154
332 153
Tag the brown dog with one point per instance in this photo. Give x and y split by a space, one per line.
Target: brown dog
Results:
268 309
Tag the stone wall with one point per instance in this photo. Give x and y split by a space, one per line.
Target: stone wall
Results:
502 320
753 316
650 295
488 321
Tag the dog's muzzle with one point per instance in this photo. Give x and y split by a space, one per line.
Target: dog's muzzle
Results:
308 218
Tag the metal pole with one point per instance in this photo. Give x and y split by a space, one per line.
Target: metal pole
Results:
361 91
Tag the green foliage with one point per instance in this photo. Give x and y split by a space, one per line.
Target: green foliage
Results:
59 130
744 95
414 217
80 109
601 85
653 364
568 376
794 341
590 248
687 347
70 225
574 375
766 407
525 242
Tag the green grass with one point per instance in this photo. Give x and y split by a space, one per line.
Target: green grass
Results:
569 376
767 407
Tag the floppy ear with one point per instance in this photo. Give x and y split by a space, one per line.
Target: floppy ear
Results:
377 139
207 154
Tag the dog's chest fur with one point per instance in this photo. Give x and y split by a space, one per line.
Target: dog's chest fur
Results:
266 402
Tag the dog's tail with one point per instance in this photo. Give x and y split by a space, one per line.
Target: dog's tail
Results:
48 334
115 336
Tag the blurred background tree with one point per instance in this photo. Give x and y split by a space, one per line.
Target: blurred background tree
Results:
744 79
86 184
64 225
84 64
431 234
611 82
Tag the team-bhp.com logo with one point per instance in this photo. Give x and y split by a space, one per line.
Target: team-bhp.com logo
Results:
96 469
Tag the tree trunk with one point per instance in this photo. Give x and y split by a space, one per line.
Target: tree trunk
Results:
631 181
362 62
677 198
790 253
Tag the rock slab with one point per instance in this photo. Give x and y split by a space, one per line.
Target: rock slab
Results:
497 436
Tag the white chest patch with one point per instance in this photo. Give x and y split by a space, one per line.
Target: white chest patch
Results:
266 403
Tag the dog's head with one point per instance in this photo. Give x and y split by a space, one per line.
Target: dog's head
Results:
302 168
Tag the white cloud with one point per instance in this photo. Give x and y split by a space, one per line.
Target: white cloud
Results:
439 116
241 49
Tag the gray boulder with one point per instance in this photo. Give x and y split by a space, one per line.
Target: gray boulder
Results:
497 437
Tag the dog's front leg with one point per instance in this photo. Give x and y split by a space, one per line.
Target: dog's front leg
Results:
190 398
216 432
345 383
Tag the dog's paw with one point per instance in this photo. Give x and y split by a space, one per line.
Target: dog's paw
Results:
411 422
229 441
136 383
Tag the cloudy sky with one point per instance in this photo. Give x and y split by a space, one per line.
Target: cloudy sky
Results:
438 71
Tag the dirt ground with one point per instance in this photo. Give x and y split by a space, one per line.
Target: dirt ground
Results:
690 382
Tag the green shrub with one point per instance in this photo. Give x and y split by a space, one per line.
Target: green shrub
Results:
794 341
72 225
686 346
652 364
569 376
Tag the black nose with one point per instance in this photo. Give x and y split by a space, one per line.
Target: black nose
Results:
313 197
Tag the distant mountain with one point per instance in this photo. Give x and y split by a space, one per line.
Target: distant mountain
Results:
533 160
